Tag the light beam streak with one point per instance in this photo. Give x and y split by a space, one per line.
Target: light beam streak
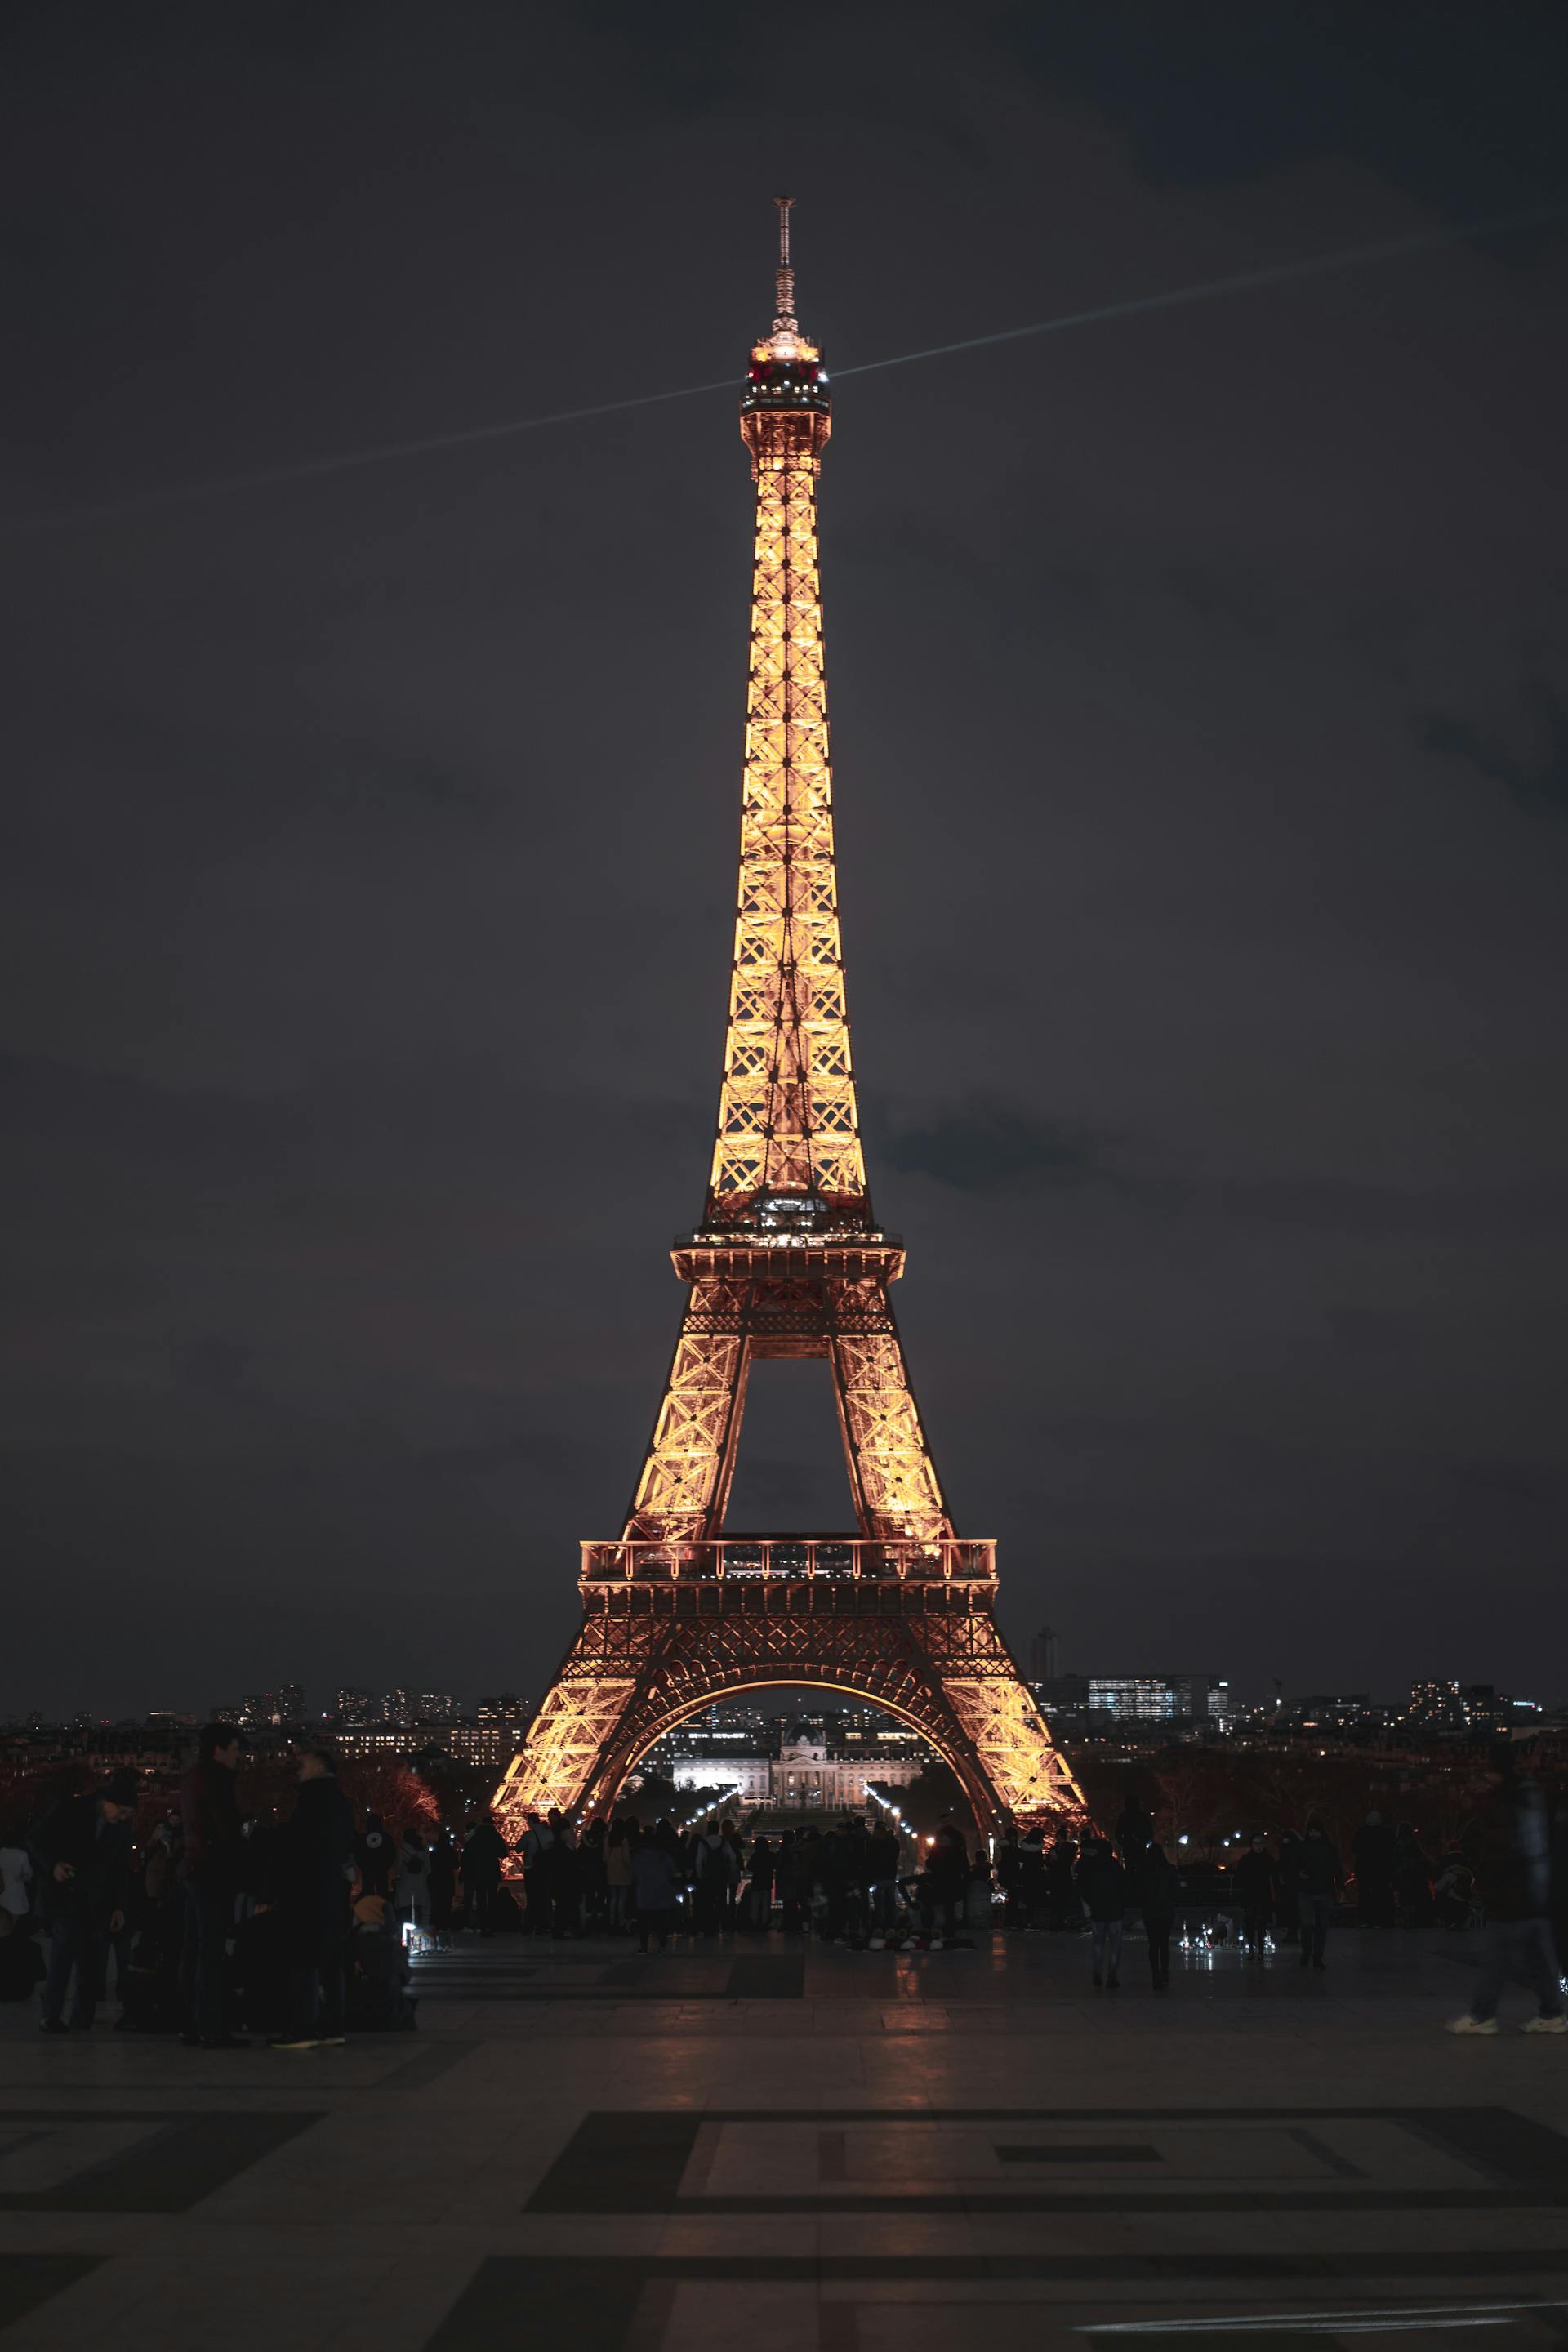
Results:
1245 281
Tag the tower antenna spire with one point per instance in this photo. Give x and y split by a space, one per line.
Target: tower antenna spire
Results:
784 278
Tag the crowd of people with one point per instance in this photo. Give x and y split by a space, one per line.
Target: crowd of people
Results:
221 1927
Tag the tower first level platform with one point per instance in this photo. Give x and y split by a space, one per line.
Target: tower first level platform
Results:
668 1630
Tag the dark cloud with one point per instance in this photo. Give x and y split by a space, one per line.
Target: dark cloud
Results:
1537 781
1454 105
986 1146
366 856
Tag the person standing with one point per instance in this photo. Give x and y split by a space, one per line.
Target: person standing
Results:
443 1885
1257 1884
1318 1881
1134 1829
1289 1911
1103 1888
1512 1841
787 1881
618 1875
376 1853
413 1880
16 1881
315 1866
1157 1885
760 1888
1373 1848
1010 1879
212 1853
656 1891
482 1851
714 1871
83 1848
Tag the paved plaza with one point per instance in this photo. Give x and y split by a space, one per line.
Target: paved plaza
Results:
777 2148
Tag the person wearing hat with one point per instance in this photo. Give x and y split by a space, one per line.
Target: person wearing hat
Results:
83 1849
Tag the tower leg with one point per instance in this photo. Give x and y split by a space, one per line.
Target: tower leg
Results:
684 1489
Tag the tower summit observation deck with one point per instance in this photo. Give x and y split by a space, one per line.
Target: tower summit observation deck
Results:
788 1260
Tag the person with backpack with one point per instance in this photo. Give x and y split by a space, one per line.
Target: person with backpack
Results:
657 1884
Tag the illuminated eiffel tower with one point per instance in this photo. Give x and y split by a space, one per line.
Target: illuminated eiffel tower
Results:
789 1260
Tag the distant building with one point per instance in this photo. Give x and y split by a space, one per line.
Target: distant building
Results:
1470 1710
809 1772
438 1706
284 1705
397 1709
356 1706
504 1706
1043 1655
1159 1698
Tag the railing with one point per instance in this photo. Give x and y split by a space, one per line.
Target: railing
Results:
761 1560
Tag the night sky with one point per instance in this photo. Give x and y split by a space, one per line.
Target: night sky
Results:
1201 736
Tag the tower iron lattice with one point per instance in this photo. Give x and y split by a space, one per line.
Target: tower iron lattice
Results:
789 1260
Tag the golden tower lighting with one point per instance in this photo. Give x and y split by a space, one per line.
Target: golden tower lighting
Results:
789 1260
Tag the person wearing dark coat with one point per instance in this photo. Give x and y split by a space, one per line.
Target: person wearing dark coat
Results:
1158 1885
1318 1879
443 1883
482 1851
1102 1889
1134 1829
313 1866
212 1856
759 1891
83 1850
1512 1843
1373 1847
1290 1910
1257 1884
1058 1878
376 1853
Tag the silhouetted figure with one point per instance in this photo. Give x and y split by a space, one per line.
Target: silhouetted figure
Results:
759 1891
1413 1878
443 1884
1135 1830
376 1855
618 1876
313 1867
714 1874
1257 1885
1032 1879
1373 1848
1102 1889
211 1864
1512 1846
1158 1887
414 1879
482 1851
787 1883
83 1847
946 1881
657 1885
1010 1879
1318 1879
1290 1909
1063 1908
882 1877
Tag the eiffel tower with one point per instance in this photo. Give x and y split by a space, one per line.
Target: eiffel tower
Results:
789 1260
